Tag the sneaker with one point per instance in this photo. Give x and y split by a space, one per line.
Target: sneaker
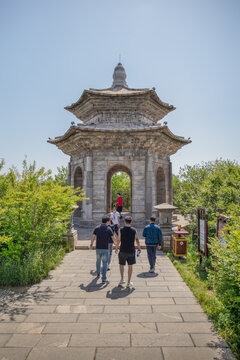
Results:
151 270
98 276
105 281
130 284
121 282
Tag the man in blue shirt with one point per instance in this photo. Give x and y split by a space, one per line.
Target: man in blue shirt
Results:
153 241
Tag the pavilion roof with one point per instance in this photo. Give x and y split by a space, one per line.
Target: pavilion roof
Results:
81 138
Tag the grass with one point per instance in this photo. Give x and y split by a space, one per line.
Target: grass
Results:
196 277
32 269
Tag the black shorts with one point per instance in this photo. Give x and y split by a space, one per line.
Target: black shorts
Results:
123 257
119 209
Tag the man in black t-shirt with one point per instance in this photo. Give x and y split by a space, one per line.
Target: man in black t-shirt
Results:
104 234
127 236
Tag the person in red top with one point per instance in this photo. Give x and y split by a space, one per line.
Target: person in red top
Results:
119 204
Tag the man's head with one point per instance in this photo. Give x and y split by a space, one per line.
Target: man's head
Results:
128 220
105 219
118 194
114 208
152 220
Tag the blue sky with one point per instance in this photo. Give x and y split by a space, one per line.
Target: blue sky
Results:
51 50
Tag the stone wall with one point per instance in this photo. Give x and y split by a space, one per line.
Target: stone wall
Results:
142 166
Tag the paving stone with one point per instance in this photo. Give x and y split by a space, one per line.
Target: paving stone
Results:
14 353
51 283
78 309
151 288
159 283
156 317
189 316
187 301
208 340
75 301
172 278
130 309
53 353
106 301
94 318
8 328
20 340
126 293
185 327
177 288
12 317
4 339
29 328
70 318
52 318
44 309
72 328
177 308
183 353
151 301
56 340
100 340
161 340
174 294
129 353
128 328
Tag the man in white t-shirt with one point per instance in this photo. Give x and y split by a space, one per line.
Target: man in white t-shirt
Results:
115 220
115 224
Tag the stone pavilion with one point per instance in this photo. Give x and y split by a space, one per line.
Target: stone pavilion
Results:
119 130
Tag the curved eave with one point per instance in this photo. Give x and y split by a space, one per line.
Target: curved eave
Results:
157 138
78 110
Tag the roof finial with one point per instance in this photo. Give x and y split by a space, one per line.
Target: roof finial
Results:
119 57
119 77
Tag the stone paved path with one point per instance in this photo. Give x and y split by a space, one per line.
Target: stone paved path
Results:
70 315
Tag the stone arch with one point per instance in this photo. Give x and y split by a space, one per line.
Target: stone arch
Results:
113 170
160 186
78 182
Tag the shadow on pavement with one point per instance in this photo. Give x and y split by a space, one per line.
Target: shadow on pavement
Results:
13 304
147 275
119 292
93 286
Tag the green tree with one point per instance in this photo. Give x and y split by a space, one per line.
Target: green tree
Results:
62 175
121 182
33 211
211 185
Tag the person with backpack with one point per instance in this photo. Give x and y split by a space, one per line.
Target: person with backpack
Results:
153 241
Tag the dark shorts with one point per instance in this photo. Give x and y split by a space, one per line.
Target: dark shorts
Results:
123 257
119 209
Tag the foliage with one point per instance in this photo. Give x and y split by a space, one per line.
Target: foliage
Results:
216 281
62 176
121 182
211 185
33 212
32 269
225 277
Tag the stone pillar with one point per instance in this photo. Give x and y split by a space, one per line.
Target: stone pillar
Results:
69 174
88 187
148 185
99 186
138 189
170 184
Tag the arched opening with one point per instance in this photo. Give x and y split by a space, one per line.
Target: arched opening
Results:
119 179
78 182
160 185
